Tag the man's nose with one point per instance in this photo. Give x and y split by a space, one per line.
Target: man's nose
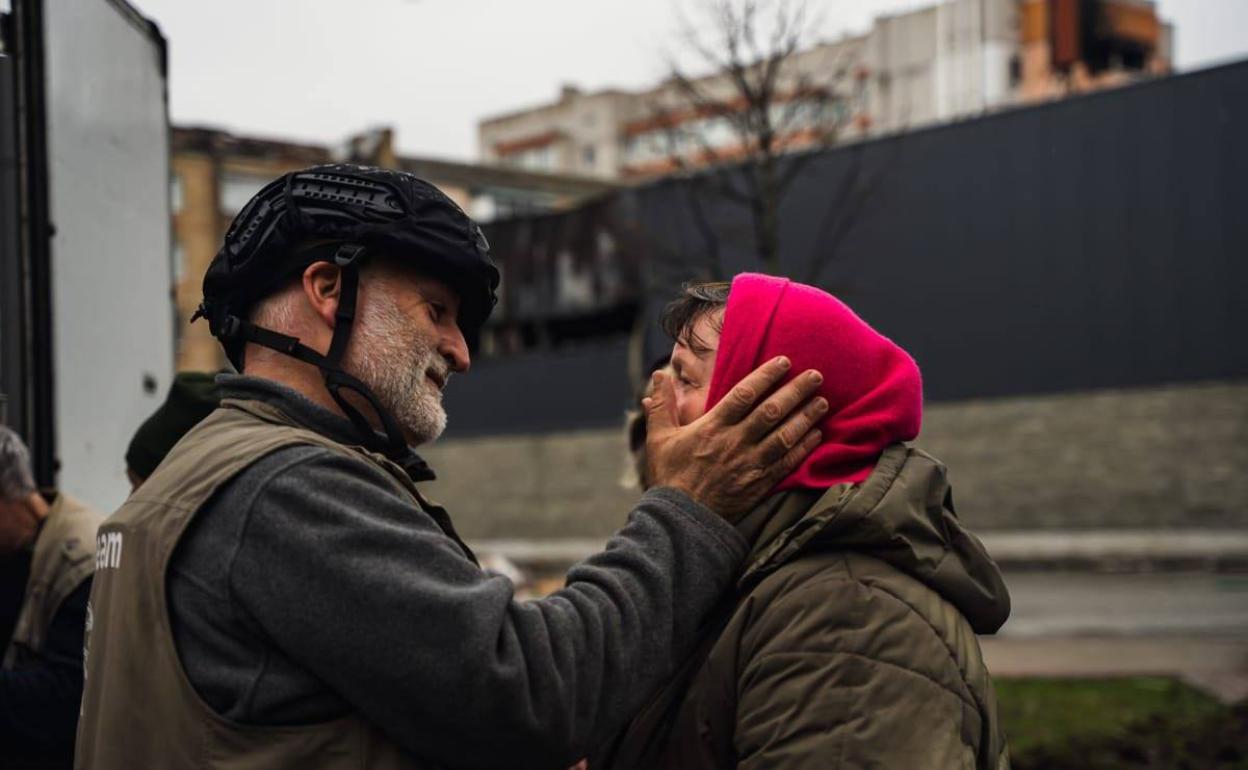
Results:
454 348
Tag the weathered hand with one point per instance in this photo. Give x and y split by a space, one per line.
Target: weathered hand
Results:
732 456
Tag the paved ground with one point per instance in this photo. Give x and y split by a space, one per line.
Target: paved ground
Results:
1192 626
1084 551
1119 550
1189 625
1155 605
1217 665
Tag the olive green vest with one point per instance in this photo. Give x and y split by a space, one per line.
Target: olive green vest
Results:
139 710
64 557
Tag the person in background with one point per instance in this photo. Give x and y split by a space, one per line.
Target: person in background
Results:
192 397
47 541
850 641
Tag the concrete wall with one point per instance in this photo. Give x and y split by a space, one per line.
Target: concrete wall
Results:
1167 457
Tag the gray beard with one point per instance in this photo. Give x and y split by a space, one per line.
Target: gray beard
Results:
391 357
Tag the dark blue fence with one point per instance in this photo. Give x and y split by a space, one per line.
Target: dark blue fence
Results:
1100 241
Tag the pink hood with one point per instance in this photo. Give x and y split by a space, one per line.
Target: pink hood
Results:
873 387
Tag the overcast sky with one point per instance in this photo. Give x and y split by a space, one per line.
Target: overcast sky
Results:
320 70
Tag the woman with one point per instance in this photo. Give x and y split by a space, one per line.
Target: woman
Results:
850 642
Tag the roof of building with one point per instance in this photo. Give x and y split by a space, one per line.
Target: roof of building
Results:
215 141
564 97
570 93
481 175
199 139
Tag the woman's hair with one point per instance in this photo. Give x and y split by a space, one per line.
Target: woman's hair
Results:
695 301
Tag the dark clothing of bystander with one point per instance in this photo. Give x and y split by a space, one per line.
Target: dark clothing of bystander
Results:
39 705
14 572
41 673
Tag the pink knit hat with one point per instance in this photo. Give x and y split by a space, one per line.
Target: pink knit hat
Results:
873 387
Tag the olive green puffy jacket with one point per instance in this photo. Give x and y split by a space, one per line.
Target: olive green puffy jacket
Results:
850 643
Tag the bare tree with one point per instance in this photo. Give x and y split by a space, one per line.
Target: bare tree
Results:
741 126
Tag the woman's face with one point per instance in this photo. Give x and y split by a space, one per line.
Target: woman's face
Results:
692 367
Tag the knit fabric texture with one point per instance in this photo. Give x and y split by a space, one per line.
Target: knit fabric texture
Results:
873 387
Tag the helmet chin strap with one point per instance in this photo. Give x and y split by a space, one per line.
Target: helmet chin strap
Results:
337 381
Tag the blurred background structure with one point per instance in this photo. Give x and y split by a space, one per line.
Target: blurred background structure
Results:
1084 316
215 173
1035 197
934 64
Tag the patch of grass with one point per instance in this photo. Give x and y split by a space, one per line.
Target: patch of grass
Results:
1051 712
1145 723
1160 742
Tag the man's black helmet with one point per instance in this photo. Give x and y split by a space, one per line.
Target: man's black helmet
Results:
304 216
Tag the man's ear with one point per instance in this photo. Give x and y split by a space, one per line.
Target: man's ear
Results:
322 284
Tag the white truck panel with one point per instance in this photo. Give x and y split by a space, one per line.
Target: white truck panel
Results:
111 272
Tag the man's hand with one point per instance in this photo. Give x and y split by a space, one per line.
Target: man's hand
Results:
732 456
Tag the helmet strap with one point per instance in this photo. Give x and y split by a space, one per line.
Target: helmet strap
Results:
347 259
393 446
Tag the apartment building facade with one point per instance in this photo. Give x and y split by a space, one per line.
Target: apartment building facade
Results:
951 60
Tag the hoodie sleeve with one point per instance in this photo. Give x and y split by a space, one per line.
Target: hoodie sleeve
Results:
368 594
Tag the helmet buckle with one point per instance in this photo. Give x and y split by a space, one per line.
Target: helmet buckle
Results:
230 326
348 254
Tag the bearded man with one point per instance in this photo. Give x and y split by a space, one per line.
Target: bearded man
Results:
279 593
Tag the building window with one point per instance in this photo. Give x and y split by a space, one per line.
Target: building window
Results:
588 156
652 145
500 202
237 189
178 258
175 193
483 208
533 159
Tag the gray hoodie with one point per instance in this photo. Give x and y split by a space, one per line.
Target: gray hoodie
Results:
282 596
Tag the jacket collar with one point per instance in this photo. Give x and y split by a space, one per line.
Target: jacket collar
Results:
902 514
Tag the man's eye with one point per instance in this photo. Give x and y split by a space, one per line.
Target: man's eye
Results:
436 310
